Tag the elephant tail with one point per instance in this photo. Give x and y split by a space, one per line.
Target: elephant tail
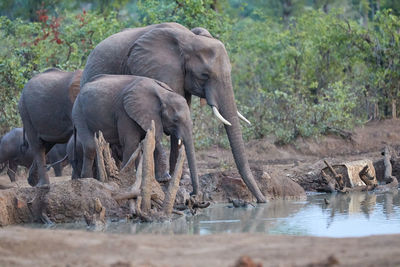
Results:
24 147
74 162
48 166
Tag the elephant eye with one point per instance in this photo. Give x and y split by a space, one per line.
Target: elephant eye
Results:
204 76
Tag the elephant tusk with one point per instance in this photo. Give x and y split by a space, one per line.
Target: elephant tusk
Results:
219 116
179 142
243 118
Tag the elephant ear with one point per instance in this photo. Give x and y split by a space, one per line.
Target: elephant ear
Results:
158 54
201 31
74 86
142 104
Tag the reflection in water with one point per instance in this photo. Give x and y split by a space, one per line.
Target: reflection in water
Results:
354 214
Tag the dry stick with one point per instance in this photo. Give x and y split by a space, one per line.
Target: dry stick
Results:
109 162
173 185
137 207
134 191
367 178
388 178
127 195
157 202
101 169
388 165
331 182
338 177
131 162
148 168
132 207
138 181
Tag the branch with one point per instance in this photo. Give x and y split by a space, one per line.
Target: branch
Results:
173 186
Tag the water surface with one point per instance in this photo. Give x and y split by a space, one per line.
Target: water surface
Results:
329 215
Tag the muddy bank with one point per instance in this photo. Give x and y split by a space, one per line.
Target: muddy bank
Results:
68 201
19 246
278 170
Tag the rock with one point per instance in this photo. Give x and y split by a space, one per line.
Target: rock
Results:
278 187
222 186
246 261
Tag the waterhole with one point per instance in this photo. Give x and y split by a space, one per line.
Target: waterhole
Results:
327 215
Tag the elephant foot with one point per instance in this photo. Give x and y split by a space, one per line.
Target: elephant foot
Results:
164 178
32 181
43 183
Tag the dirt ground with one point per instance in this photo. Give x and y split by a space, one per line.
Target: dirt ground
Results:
20 247
25 247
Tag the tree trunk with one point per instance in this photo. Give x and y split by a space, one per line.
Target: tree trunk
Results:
394 111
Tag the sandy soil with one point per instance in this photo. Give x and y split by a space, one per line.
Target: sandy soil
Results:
22 247
26 247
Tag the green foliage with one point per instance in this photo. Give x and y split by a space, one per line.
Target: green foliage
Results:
190 13
28 48
298 66
301 79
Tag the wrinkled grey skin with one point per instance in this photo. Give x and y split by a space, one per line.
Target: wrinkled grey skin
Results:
45 107
13 153
122 107
189 62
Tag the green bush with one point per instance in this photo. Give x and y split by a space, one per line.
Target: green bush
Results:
295 76
29 48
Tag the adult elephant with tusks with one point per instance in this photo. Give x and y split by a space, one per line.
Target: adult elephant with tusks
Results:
189 62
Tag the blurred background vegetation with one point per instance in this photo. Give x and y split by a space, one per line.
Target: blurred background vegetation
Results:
300 68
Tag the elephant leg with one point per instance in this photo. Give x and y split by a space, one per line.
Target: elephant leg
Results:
33 177
38 172
77 170
160 162
40 159
89 153
12 170
58 170
173 156
129 146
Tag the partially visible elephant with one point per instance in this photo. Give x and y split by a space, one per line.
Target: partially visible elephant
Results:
57 154
122 107
45 107
189 62
14 153
75 156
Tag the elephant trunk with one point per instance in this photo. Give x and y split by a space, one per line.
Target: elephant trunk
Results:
191 158
228 109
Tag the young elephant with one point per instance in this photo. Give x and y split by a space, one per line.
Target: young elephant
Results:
14 153
122 107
